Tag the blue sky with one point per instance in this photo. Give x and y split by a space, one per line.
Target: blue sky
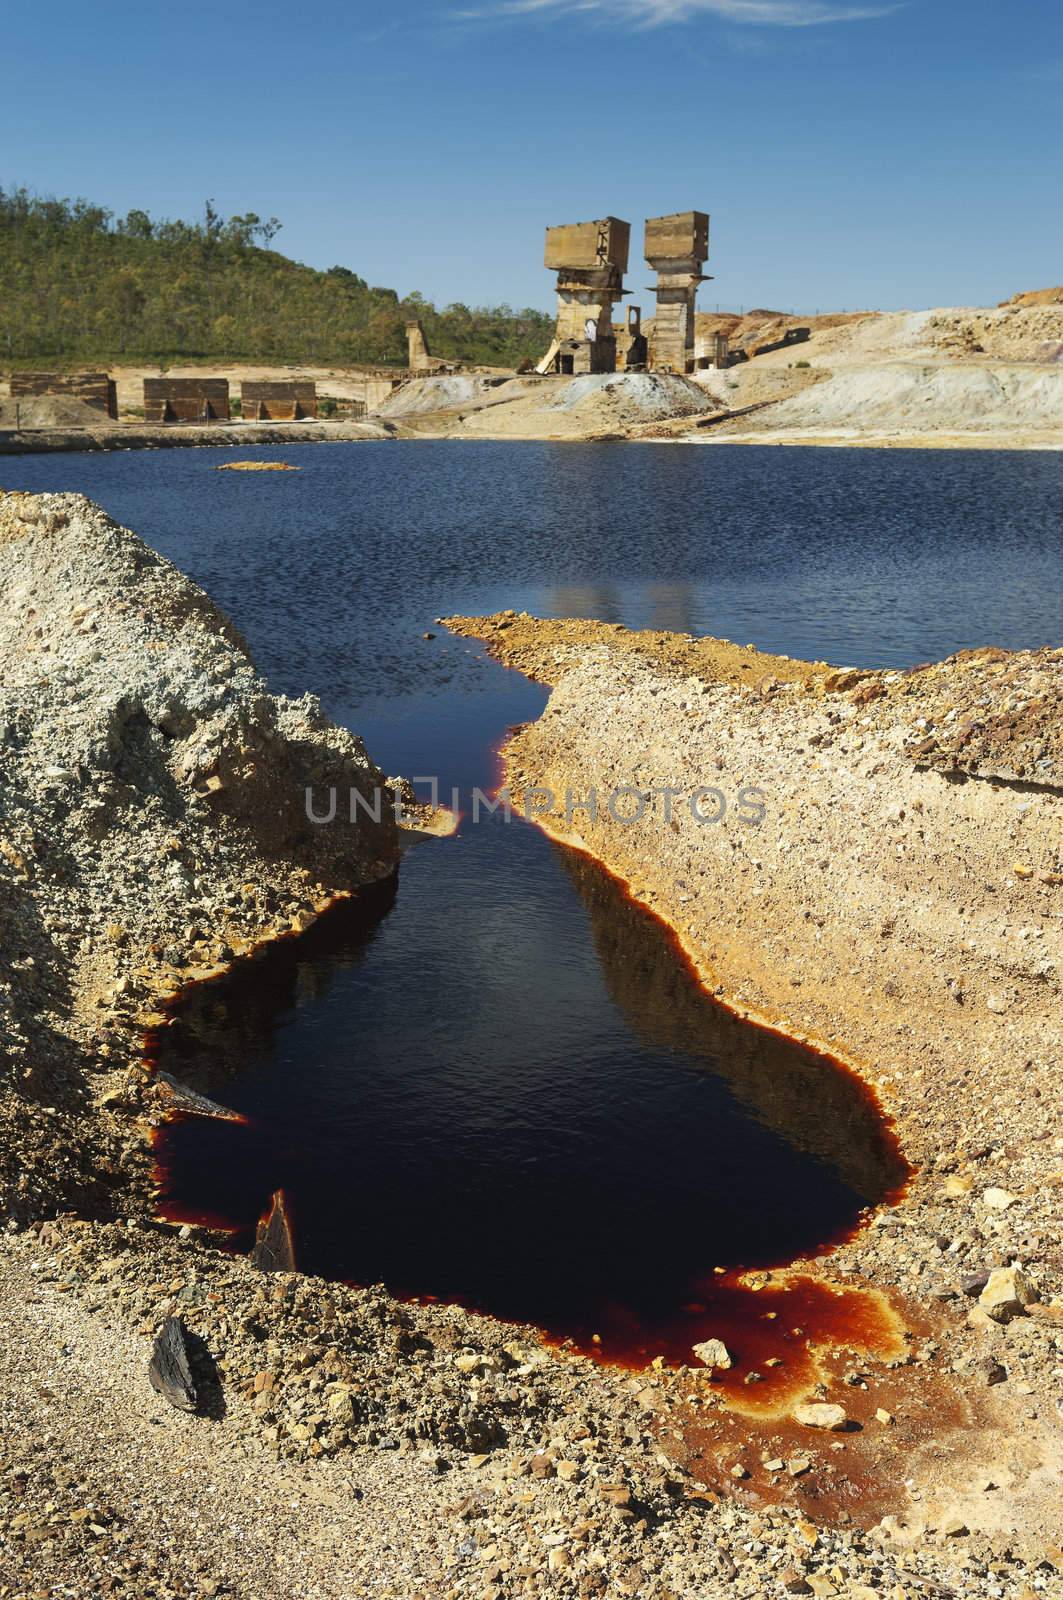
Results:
851 153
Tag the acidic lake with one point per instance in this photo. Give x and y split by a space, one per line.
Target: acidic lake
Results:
495 1080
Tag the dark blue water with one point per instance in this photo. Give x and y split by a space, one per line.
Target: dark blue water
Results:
863 557
496 1081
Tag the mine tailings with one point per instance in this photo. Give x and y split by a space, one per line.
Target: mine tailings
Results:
497 1080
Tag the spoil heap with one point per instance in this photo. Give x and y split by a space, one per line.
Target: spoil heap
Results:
151 826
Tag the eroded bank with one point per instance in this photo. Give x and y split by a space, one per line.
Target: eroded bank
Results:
899 903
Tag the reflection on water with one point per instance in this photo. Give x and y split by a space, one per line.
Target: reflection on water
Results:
868 557
796 1091
598 600
670 607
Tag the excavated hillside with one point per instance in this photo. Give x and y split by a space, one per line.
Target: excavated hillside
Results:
950 376
535 407
1037 297
953 376
965 377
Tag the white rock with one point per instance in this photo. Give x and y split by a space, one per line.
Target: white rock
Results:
821 1414
714 1353
998 1199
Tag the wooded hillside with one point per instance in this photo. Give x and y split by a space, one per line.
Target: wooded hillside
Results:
78 284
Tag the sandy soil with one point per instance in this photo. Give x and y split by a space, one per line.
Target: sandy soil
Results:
1010 334
544 407
106 1484
853 438
52 411
341 383
943 379
908 399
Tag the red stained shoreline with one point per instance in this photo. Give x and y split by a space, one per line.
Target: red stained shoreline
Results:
784 1319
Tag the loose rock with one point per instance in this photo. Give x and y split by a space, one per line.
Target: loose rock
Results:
170 1367
714 1353
821 1414
1007 1294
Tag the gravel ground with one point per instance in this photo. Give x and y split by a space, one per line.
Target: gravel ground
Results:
354 1447
107 1489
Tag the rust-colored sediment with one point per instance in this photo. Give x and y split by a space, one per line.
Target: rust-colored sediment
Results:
778 1324
798 1318
788 1332
858 1474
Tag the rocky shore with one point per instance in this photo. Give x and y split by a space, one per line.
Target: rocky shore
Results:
152 833
152 830
143 436
899 903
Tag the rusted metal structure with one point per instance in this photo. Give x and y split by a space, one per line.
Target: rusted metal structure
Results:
590 259
94 389
676 247
286 400
186 400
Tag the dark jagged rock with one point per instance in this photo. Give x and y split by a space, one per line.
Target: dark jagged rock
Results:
182 1098
170 1368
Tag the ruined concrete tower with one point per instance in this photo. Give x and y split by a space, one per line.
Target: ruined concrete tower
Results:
677 248
590 259
418 355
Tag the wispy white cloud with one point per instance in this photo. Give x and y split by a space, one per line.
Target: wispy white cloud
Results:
655 13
